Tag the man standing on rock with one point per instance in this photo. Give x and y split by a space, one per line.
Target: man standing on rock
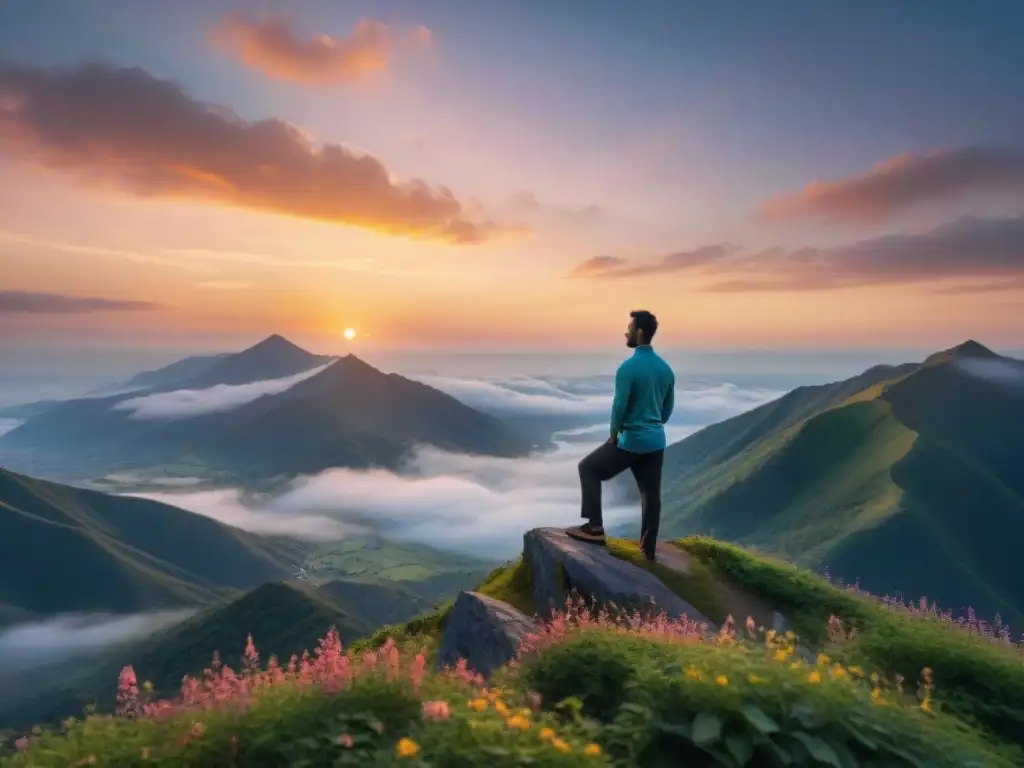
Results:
644 398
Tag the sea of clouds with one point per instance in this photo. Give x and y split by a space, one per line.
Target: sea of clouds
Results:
472 504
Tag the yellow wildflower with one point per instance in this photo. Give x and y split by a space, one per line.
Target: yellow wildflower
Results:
147 687
822 660
838 672
592 750
407 748
478 704
855 670
721 680
546 734
561 746
796 665
781 655
502 709
692 673
518 721
814 678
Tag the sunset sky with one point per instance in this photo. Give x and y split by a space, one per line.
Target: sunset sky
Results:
476 173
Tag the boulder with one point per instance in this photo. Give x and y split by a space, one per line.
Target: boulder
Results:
485 632
560 564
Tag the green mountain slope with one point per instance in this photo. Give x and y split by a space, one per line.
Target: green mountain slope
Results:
69 549
284 618
902 478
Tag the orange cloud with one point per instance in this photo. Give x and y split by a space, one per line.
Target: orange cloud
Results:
271 46
966 249
903 182
618 267
127 129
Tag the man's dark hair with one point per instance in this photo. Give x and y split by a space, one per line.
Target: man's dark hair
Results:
645 322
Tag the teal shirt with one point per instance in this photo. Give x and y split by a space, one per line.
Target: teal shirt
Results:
644 398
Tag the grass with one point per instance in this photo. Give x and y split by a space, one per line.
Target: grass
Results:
979 680
391 561
593 692
512 584
697 588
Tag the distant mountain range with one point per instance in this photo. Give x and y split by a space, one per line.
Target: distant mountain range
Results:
72 550
345 414
905 477
65 549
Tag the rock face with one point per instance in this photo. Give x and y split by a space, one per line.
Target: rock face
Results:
483 631
560 564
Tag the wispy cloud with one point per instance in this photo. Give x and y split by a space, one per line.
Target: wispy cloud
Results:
526 204
521 395
273 47
27 302
31 241
222 285
59 638
126 129
904 182
187 403
987 252
212 256
678 261
996 370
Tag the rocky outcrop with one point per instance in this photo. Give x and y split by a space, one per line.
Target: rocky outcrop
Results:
483 631
560 564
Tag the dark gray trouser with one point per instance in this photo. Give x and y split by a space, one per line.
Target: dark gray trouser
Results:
608 461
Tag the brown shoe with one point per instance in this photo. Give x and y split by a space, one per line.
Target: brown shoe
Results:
587 533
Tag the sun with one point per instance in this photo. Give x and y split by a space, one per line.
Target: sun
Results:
349 334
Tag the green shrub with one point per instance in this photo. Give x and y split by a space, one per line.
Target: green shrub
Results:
733 704
978 679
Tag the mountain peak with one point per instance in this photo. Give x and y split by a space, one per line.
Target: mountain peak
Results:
969 349
276 343
972 348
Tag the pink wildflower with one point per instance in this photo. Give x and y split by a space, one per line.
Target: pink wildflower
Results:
128 704
22 743
436 710
251 658
346 741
